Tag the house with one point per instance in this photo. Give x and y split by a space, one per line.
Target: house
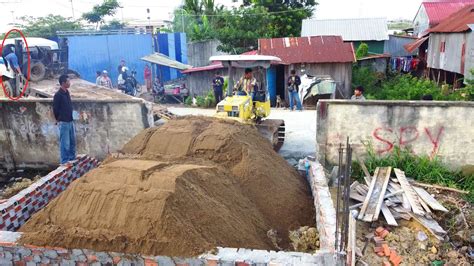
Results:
372 31
431 13
315 55
450 53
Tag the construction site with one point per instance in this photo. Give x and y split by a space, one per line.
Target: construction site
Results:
241 183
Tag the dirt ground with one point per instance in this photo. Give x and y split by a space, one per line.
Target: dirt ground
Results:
408 238
179 190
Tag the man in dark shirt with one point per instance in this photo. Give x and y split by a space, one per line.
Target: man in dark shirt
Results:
217 85
120 67
294 82
62 108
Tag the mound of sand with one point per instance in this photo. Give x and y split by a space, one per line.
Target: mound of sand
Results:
186 187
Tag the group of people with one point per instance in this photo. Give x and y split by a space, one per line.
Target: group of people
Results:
103 79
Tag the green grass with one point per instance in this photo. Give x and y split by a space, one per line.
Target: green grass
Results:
420 168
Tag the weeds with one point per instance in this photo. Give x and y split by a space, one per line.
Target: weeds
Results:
420 168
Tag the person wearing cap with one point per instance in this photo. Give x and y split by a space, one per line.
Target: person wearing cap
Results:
358 91
104 80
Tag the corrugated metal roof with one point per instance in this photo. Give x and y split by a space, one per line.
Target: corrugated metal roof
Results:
438 11
213 66
414 45
161 59
315 49
357 29
457 22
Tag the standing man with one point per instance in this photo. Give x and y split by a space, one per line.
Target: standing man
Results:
217 85
62 108
147 76
358 91
121 66
294 82
104 80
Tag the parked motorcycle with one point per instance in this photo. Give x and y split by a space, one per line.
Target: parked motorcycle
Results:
131 85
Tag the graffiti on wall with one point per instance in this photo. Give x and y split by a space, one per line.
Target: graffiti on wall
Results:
387 138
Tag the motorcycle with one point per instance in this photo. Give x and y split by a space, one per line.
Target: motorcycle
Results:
131 85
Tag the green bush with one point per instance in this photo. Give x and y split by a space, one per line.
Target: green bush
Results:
210 100
421 168
189 100
362 50
200 101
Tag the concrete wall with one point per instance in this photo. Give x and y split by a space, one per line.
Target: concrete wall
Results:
199 52
29 136
443 129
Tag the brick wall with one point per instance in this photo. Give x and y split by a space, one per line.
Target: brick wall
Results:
19 208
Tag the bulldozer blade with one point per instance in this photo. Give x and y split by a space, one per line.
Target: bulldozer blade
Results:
274 131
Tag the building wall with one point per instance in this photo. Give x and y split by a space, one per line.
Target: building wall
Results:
450 59
29 136
199 83
174 46
340 72
378 65
442 129
421 22
394 46
375 47
199 52
469 57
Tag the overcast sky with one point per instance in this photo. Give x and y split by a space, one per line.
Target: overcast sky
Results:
161 9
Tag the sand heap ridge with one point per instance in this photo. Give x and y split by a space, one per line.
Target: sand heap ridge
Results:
193 184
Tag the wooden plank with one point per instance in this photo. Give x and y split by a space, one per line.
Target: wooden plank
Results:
367 176
432 202
356 196
386 197
438 187
431 225
397 198
425 207
351 245
376 194
409 192
361 190
402 197
367 197
388 215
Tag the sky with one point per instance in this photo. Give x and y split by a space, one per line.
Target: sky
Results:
162 9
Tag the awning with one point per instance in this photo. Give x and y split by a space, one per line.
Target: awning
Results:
414 45
213 66
161 59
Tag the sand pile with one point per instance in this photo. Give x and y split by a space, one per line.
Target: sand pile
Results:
184 188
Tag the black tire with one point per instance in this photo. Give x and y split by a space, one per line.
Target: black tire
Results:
37 72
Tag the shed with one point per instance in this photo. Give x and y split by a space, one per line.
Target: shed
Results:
378 63
394 46
315 55
372 31
431 13
451 46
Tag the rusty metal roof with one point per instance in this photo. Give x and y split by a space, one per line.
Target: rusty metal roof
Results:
457 22
438 11
314 49
414 45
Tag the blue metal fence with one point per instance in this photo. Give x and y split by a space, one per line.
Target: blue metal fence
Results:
174 46
88 54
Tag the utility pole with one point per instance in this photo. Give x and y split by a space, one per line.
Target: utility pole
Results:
72 8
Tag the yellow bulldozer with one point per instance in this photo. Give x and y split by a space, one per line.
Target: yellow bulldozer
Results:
250 108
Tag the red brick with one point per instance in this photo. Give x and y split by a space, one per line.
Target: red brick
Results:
28 258
149 262
386 263
378 239
91 258
378 249
7 244
116 260
381 254
212 262
386 250
379 230
20 263
82 264
384 234
241 263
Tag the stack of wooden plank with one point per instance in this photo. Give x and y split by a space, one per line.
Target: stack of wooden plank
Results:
396 198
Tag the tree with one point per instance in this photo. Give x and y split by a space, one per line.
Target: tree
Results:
46 27
286 15
99 12
113 25
362 50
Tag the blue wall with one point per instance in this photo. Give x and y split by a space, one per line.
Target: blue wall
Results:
174 46
271 80
87 54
